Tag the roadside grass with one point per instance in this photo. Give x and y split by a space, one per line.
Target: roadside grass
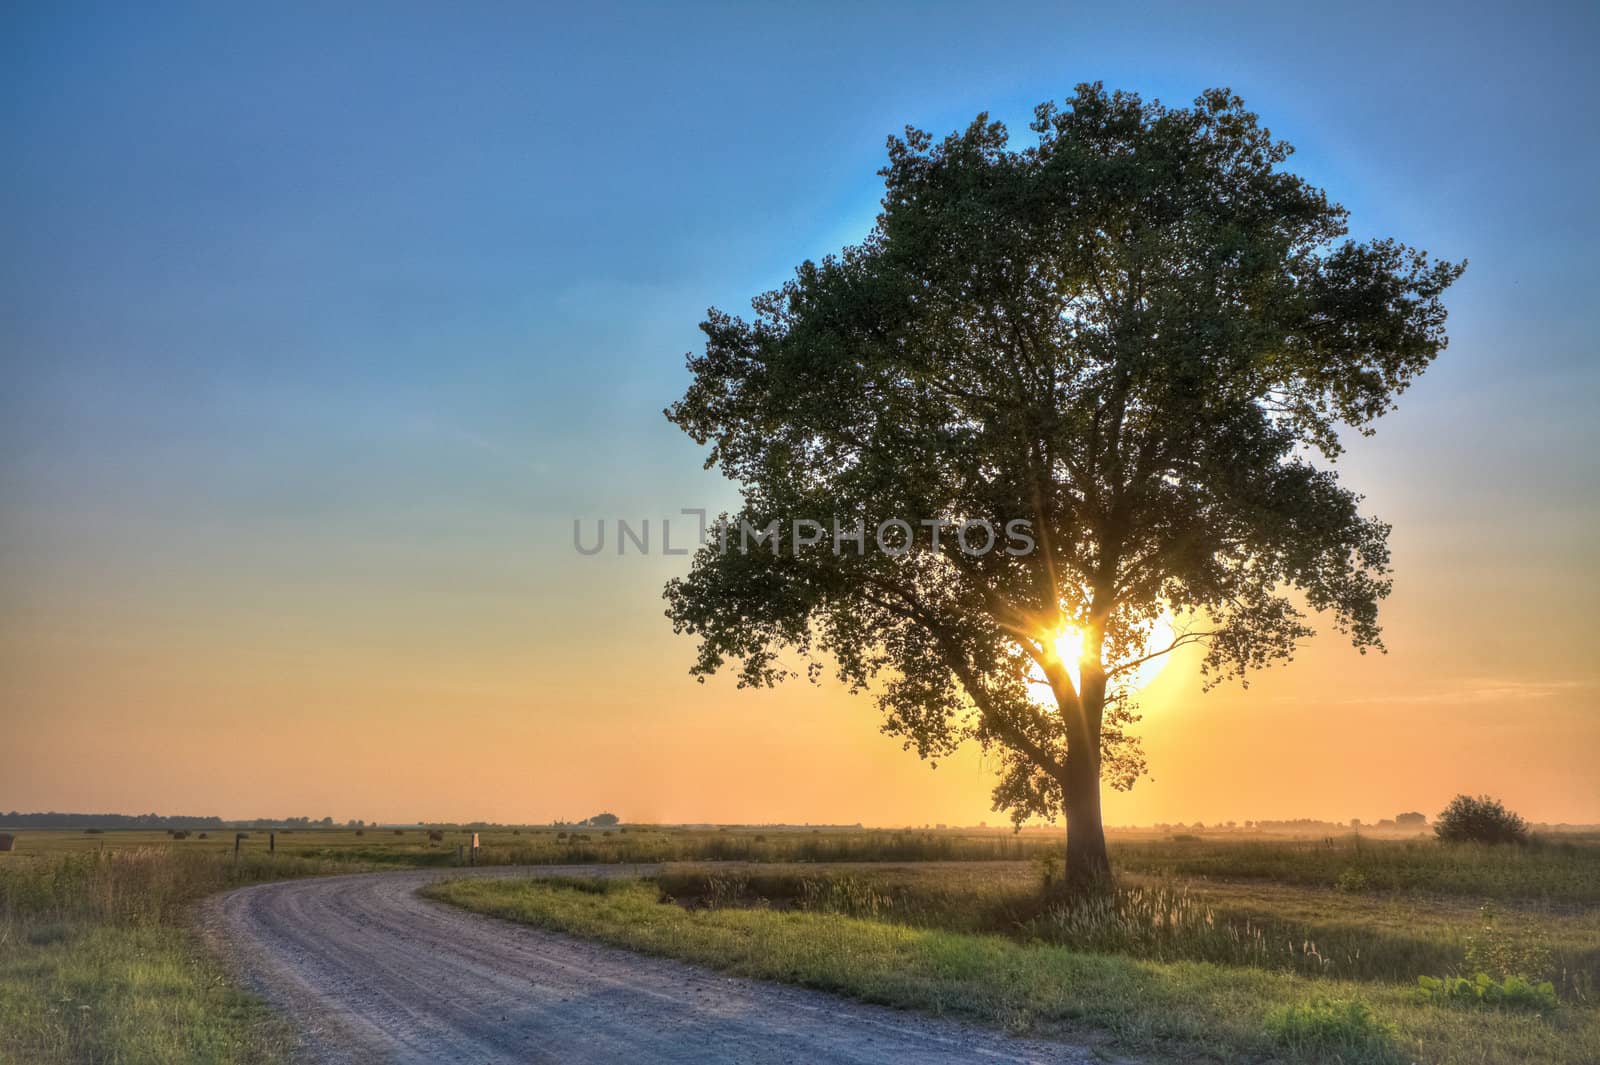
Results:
1345 1029
1393 937
97 964
85 993
1196 1009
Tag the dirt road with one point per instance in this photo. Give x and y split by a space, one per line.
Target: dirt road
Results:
369 972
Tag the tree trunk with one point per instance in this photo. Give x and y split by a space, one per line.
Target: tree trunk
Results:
1088 867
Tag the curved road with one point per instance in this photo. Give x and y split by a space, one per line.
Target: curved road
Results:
370 972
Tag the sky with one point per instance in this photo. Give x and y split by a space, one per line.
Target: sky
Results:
320 327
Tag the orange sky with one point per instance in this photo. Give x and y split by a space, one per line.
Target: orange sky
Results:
317 332
406 679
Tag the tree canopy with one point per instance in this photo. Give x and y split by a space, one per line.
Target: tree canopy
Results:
1140 335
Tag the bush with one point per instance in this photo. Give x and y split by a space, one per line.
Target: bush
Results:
1346 1028
1480 820
1513 992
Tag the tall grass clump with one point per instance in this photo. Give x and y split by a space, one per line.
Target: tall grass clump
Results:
1165 922
1345 1029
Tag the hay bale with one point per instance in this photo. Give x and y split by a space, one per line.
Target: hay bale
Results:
7 841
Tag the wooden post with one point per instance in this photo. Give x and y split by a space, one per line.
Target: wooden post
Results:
272 843
238 838
474 848
460 858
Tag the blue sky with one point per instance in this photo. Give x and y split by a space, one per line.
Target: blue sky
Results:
306 312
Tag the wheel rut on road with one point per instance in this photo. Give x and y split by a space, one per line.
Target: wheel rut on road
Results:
370 972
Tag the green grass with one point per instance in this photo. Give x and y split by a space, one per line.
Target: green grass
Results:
1177 1007
81 992
98 965
1345 1029
1309 930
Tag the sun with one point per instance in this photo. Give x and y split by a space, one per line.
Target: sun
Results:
1067 643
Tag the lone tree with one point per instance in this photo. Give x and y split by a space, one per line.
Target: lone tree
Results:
1134 337
1480 820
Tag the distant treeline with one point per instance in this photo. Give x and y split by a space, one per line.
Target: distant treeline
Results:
144 821
53 819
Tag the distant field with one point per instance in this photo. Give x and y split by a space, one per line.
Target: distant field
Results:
545 845
1562 869
97 963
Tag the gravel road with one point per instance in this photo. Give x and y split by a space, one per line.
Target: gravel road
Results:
369 972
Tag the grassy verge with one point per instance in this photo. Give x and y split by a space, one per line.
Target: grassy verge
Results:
98 964
1172 1007
1314 931
79 992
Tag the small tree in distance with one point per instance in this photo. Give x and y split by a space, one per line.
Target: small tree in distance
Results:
1480 820
603 820
1135 336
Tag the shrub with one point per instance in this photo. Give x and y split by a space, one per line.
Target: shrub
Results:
1346 1028
1480 820
1352 882
1514 992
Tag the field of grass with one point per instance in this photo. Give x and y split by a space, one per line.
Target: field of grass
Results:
1223 945
1203 951
97 963
543 845
1315 931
